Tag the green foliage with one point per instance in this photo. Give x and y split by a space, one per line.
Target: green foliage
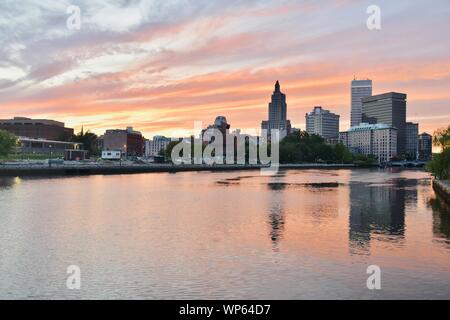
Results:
300 147
442 138
440 165
363 160
8 142
89 141
167 153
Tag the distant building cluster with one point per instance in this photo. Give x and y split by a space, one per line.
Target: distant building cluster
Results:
379 128
383 120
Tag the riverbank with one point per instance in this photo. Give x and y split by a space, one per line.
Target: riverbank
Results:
111 169
442 188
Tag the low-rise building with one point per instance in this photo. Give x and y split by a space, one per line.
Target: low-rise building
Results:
37 128
68 150
129 142
379 140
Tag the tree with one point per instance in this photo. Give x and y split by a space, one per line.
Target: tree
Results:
8 142
301 147
89 141
442 138
440 165
343 155
167 152
364 160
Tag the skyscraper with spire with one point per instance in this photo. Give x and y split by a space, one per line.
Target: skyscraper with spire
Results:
277 114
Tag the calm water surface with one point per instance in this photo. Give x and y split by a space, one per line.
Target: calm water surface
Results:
299 235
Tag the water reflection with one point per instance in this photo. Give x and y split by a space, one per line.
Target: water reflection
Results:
441 218
378 211
276 212
8 182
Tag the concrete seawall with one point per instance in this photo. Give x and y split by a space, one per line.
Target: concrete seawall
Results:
95 169
442 188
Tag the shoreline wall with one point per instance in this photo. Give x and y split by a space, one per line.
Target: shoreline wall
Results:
17 171
442 188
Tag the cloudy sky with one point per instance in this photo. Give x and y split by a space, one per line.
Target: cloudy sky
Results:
160 65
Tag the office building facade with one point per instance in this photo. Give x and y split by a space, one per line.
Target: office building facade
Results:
412 140
155 146
36 128
379 140
360 89
277 114
425 147
389 109
323 123
129 142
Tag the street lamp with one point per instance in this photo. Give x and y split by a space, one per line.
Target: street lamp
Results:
50 155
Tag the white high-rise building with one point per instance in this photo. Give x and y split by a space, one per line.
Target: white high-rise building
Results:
323 123
379 140
360 89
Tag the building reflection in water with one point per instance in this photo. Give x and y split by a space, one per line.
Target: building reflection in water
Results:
276 213
8 182
378 211
441 219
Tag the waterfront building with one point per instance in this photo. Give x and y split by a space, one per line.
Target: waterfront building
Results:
388 108
323 123
129 142
412 140
277 114
360 89
425 147
52 148
155 146
37 128
379 140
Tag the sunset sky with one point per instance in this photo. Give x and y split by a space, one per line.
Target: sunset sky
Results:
160 65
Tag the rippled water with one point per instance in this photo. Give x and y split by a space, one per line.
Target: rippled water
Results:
299 235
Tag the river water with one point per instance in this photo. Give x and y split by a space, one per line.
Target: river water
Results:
303 234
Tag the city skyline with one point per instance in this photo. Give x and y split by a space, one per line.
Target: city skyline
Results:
162 72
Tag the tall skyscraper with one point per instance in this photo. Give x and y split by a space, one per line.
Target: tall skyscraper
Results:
360 89
390 109
412 140
323 123
277 114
